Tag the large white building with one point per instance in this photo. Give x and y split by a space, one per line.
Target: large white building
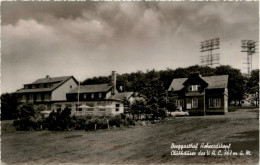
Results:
58 93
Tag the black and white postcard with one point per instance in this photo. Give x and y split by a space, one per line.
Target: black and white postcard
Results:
129 82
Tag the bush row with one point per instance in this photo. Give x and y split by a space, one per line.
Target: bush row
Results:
62 120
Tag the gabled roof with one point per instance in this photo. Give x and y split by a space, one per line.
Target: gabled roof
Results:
50 80
91 88
120 96
219 81
177 84
59 81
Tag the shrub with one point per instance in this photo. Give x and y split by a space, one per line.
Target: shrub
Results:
28 118
80 123
60 120
100 124
131 121
116 120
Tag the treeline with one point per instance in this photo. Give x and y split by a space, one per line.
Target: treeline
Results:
154 83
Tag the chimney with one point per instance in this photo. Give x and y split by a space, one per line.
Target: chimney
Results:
113 79
47 77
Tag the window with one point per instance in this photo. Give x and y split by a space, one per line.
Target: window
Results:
49 85
211 103
47 96
92 95
217 103
41 85
100 95
70 86
26 87
85 96
23 97
117 107
195 103
31 97
90 109
214 103
194 88
102 109
176 103
38 97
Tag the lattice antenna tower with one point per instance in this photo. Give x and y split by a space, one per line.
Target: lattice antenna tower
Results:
248 46
208 46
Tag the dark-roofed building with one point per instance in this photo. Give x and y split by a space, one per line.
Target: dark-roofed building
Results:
201 95
97 99
47 90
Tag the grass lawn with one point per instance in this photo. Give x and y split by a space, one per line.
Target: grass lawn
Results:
138 145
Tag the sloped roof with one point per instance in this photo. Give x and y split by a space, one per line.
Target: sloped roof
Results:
59 80
50 80
91 88
120 96
219 81
177 84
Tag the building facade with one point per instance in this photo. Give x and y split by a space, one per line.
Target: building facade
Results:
47 91
201 95
58 93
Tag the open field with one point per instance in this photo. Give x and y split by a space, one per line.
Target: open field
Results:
140 144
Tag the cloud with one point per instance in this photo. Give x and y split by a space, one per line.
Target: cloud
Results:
92 38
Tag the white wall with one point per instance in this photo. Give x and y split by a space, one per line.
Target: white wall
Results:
108 94
60 93
96 112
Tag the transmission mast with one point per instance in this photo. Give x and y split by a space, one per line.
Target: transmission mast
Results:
248 46
210 59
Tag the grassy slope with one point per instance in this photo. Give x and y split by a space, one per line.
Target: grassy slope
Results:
150 144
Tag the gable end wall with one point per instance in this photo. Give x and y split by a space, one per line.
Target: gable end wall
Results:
60 93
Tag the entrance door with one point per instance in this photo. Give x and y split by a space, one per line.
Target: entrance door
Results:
188 103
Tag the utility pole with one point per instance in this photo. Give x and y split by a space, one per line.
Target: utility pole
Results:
248 46
210 59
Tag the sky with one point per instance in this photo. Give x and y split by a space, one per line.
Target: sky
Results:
87 39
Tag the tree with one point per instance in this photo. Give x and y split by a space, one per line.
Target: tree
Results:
138 107
252 86
9 105
126 104
170 105
236 82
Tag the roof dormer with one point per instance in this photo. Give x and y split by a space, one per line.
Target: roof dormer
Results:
195 82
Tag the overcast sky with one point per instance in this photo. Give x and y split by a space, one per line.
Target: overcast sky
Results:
87 39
